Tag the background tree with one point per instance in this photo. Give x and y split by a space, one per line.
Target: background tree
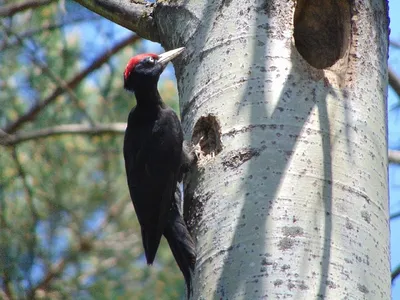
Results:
67 225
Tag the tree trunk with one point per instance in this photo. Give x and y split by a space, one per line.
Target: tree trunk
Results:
287 102
295 205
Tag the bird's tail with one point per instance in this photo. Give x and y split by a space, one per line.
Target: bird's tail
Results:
151 241
180 242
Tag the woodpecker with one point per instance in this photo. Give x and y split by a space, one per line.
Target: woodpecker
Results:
154 162
180 241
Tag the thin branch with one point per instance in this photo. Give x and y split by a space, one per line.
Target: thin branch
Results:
394 156
11 9
394 81
14 139
53 272
394 44
394 216
34 111
136 15
395 273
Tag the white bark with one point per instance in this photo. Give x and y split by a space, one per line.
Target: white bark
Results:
296 203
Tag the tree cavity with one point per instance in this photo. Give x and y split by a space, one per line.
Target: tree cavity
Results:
207 135
322 30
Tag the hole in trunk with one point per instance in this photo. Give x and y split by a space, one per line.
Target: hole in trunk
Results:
322 30
207 134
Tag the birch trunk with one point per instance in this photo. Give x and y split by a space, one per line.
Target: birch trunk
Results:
287 102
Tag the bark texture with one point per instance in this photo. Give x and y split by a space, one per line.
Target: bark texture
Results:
290 199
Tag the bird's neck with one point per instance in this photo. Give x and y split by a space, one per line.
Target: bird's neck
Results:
148 97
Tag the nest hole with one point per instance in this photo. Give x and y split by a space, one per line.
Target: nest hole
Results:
207 135
322 30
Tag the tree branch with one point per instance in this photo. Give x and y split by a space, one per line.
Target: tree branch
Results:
13 139
34 111
12 9
395 273
394 44
394 81
394 156
394 216
136 15
54 271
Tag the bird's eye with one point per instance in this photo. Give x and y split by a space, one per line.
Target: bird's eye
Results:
151 60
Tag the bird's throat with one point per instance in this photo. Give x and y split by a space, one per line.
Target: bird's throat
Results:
148 97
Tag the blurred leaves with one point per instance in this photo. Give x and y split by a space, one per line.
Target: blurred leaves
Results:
68 228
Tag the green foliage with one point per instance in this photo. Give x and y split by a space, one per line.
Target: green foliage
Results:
68 228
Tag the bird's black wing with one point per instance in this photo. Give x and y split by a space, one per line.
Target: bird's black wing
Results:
152 151
153 230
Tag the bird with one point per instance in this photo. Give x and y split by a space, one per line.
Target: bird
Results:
155 160
180 241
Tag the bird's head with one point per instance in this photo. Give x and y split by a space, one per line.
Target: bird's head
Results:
144 70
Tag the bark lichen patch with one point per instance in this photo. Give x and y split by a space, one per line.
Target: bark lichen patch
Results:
278 282
291 285
303 286
266 262
349 225
292 231
236 158
331 284
207 135
366 216
322 30
285 267
286 243
362 288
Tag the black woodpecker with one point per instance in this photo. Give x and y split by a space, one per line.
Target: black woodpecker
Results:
155 161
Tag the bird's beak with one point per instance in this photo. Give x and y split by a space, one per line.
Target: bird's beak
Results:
166 57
